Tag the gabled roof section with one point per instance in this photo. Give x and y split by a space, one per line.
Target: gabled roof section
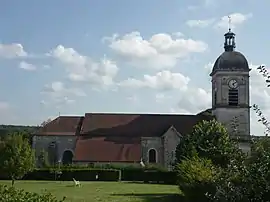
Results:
172 128
138 125
62 125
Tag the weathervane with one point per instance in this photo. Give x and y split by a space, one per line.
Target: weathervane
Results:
230 22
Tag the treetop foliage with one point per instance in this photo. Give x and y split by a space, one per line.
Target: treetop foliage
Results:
16 156
208 139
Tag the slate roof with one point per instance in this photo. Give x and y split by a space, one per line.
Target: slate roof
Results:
137 125
230 60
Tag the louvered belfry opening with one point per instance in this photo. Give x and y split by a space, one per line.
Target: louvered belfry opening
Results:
233 97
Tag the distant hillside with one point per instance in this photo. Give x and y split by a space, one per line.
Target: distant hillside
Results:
5 129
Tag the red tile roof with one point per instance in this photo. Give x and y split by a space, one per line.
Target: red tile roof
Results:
107 150
62 125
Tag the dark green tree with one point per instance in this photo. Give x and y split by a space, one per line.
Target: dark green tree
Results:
248 180
16 156
210 140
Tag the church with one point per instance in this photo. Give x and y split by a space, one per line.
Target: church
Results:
151 138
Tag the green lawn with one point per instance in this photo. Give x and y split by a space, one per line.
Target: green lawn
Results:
103 191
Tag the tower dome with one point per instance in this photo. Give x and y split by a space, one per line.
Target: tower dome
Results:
230 59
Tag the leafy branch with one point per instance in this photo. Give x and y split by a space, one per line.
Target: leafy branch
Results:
262 119
264 72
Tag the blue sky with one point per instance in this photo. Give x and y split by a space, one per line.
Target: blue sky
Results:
73 57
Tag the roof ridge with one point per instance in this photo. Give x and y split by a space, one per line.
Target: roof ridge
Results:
138 114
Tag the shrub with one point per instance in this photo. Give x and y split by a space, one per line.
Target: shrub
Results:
197 178
10 194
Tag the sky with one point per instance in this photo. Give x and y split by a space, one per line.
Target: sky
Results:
154 56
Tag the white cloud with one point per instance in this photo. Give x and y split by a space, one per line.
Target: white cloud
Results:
208 67
58 94
164 80
59 87
81 68
200 23
161 51
12 50
27 66
236 20
195 100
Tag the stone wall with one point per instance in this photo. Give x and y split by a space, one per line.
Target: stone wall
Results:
171 140
63 142
148 143
238 116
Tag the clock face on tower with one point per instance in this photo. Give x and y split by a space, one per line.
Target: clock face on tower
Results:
233 84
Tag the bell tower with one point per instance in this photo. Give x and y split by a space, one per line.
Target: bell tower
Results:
230 91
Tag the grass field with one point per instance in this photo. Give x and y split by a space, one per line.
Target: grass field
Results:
103 191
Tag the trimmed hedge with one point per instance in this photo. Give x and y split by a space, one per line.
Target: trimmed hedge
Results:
164 177
78 174
89 174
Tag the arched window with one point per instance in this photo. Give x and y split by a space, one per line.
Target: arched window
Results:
152 156
67 157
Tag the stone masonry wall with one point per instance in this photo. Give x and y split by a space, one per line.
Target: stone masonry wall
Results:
148 143
63 142
171 140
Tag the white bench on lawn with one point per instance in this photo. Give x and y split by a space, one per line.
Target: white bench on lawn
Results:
76 183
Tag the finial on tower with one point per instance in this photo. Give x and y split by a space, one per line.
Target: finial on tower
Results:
229 44
229 23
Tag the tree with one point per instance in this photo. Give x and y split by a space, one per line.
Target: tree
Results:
246 180
43 159
45 122
16 156
210 140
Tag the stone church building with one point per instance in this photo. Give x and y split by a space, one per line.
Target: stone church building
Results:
152 138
